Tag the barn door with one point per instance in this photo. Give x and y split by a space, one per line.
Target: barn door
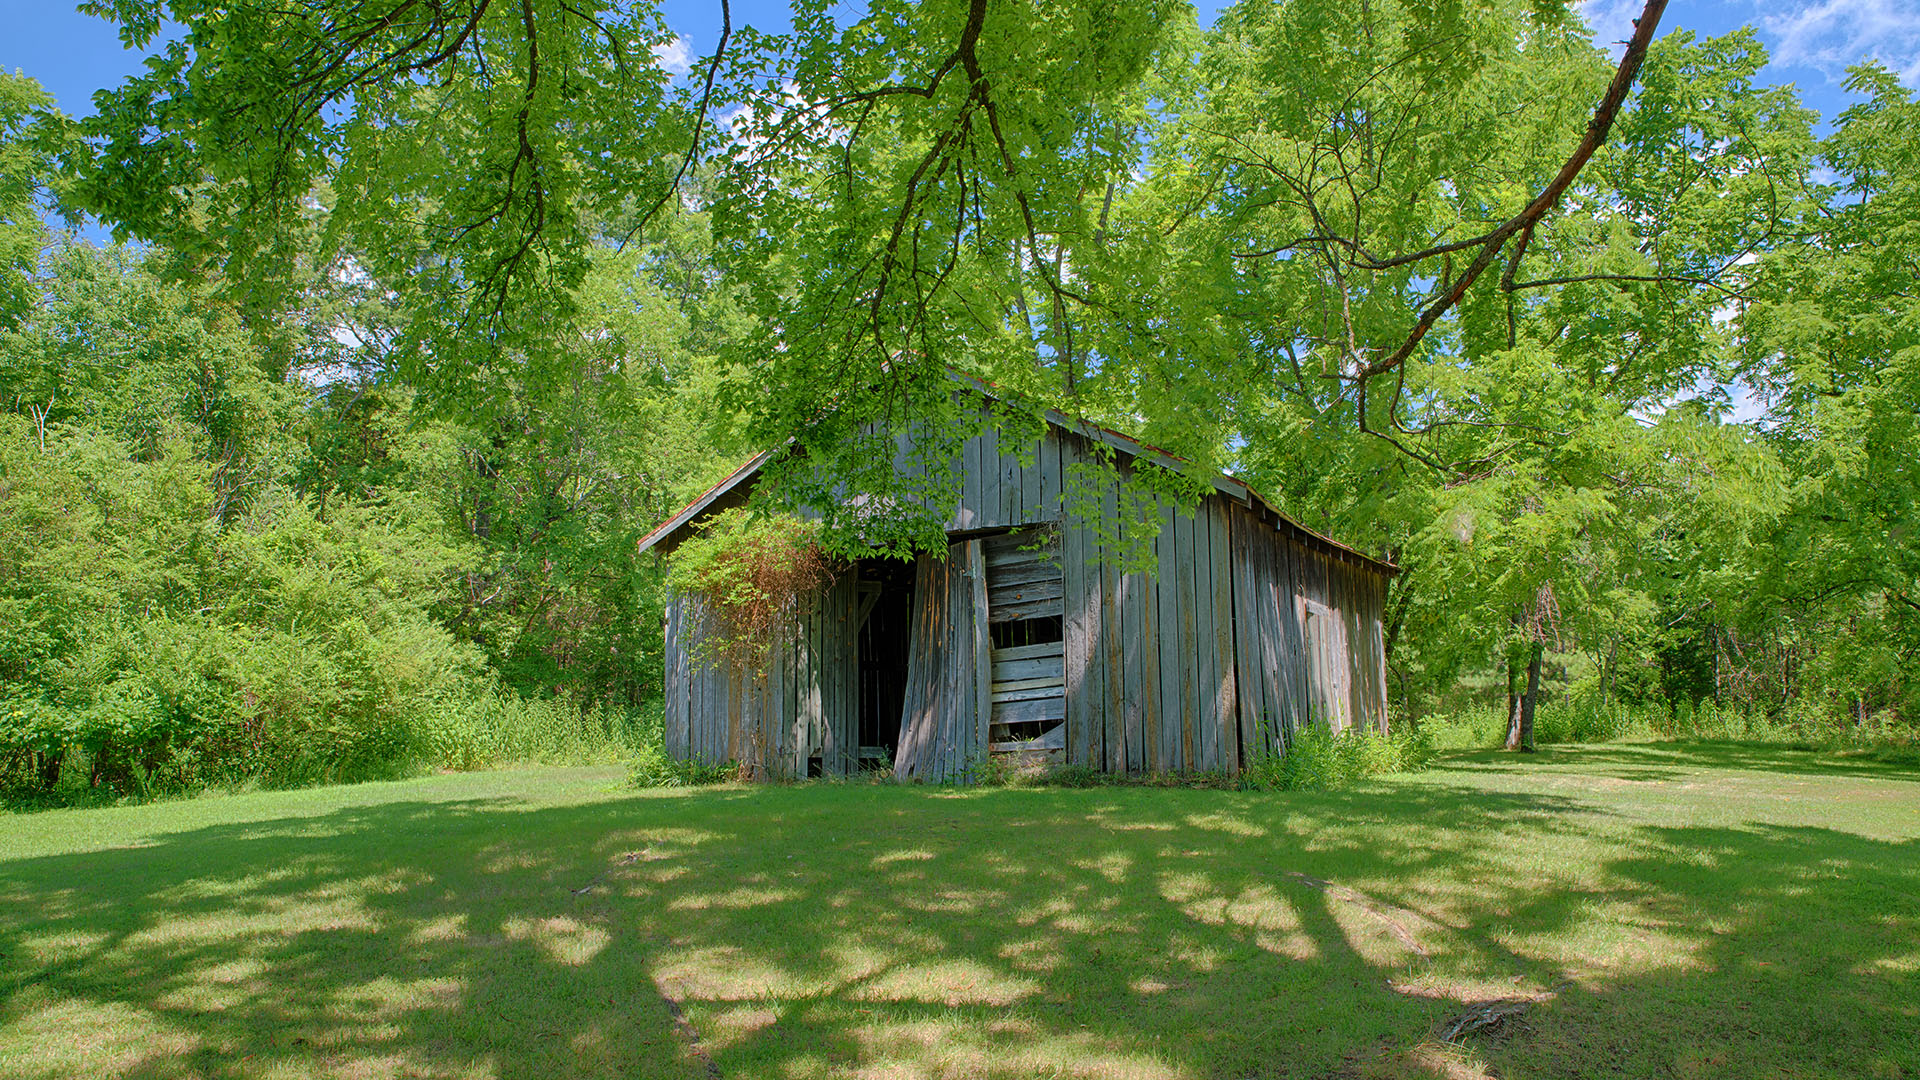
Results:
943 723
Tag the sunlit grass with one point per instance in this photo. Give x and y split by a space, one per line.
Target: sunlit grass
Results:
1666 910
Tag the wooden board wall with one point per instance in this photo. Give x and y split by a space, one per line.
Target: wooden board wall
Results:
1204 663
801 701
1308 637
943 731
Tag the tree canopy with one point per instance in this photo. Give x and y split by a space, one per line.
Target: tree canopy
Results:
1614 355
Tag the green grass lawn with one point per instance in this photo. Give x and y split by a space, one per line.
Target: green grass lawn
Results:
1665 910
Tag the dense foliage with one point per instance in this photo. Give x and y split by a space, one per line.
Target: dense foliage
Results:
210 574
442 306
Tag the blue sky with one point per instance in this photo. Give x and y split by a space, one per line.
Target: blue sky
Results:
1812 41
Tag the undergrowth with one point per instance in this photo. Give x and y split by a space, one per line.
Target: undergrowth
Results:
1579 720
482 731
1315 761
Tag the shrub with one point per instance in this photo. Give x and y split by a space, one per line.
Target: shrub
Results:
749 570
1583 719
1318 760
499 727
651 767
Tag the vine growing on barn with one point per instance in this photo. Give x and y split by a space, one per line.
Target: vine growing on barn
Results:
749 571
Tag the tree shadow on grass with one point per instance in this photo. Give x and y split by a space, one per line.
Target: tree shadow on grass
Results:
842 930
1673 760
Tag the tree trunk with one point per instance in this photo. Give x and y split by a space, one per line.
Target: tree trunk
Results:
49 769
1513 700
1525 725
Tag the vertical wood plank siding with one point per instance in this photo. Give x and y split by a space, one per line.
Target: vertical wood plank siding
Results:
1212 659
941 732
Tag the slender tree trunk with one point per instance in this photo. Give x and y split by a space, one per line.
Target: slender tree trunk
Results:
1606 681
1534 654
1513 700
49 769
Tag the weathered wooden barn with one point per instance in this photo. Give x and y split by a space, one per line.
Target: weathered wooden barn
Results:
1030 638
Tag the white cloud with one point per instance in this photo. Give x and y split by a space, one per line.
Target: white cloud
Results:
1830 35
1611 21
675 56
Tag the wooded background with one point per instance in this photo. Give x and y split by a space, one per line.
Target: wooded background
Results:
431 310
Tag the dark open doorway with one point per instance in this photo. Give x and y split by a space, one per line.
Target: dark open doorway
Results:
886 631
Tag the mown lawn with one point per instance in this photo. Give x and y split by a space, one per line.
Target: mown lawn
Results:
1666 910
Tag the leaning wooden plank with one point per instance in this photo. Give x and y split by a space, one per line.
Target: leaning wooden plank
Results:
1020 712
1015 576
1011 685
1027 592
961 704
955 701
1074 632
922 659
1026 609
1054 738
1032 549
1042 667
934 767
1026 693
1030 567
981 659
1029 652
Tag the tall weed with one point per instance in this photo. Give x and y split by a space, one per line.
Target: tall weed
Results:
1318 760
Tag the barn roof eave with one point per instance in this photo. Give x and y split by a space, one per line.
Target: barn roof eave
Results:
1230 486
693 509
